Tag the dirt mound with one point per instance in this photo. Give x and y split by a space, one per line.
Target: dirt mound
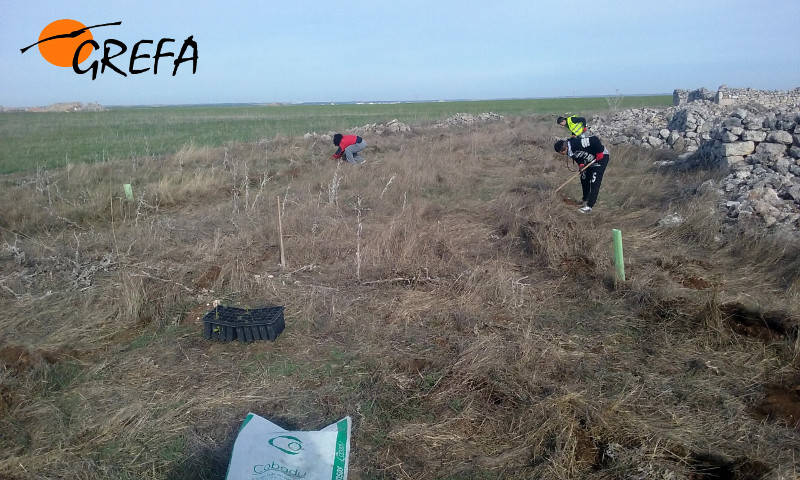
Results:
22 359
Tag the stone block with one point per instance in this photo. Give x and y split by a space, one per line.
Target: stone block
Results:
731 122
754 135
772 150
737 148
731 162
779 136
729 137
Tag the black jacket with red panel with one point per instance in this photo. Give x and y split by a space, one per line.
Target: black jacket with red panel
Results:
583 150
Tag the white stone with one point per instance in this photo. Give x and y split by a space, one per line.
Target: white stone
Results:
737 148
732 161
671 220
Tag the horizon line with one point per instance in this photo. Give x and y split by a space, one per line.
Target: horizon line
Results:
341 102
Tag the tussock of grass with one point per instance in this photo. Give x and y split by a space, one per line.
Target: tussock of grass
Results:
441 294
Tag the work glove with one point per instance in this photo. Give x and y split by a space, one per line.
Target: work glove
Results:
335 157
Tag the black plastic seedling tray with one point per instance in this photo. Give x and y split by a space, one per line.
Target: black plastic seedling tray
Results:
226 324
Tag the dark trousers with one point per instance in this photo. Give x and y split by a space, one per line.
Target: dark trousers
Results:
591 178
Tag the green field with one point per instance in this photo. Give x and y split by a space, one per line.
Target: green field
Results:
48 140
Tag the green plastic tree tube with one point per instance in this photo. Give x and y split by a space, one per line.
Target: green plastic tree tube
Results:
618 259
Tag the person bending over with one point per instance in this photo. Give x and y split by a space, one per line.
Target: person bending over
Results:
576 125
592 158
349 146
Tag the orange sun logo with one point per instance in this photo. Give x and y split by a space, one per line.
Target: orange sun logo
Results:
64 43
60 39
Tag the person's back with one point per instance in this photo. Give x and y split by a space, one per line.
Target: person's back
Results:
349 146
592 158
574 124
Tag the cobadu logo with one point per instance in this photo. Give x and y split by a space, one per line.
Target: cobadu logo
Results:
68 42
262 469
287 444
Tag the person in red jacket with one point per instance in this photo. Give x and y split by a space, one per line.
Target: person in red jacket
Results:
592 158
349 146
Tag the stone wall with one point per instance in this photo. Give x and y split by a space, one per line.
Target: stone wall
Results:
738 96
761 154
754 139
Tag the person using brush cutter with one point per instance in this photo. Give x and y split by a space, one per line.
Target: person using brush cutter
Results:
349 146
575 124
592 158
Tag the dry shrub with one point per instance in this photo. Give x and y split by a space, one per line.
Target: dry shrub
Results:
192 156
549 233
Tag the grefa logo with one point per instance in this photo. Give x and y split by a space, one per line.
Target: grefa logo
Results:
287 444
68 42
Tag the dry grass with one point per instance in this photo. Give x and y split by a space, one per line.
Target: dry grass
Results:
467 318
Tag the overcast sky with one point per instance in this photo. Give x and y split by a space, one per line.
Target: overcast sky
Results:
260 51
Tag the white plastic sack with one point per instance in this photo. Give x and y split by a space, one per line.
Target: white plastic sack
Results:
265 451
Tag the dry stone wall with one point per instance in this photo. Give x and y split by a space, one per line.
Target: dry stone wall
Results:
456 120
466 119
738 96
753 136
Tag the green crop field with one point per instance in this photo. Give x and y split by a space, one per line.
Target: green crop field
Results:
53 139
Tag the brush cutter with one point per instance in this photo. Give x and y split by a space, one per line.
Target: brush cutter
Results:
573 177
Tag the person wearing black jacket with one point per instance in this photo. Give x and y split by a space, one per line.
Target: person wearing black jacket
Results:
592 158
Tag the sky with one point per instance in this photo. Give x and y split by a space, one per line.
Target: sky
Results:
264 51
